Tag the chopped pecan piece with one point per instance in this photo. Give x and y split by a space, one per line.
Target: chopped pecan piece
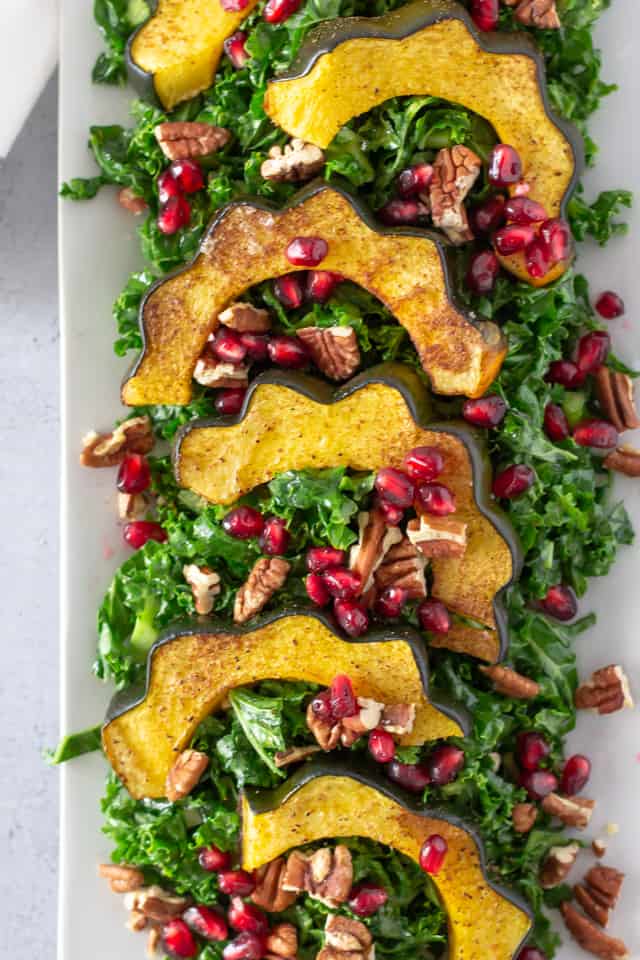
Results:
374 541
599 847
326 875
366 719
605 883
590 937
626 460
267 576
132 506
185 773
574 811
122 879
137 921
296 162
211 372
327 734
606 691
245 318
156 904
347 935
538 13
188 140
109 449
153 942
205 586
130 201
334 350
284 758
557 865
402 566
295 872
455 170
282 941
615 393
269 893
438 536
524 815
398 718
510 683
591 906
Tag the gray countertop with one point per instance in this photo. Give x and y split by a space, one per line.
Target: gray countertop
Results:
29 567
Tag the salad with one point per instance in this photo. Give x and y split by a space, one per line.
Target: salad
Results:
365 476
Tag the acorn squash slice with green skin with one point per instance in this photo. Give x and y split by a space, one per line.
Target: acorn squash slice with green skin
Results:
174 55
291 421
246 243
348 66
331 798
191 670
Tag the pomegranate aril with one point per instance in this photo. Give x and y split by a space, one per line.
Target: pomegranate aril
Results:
236 883
288 351
246 946
598 434
485 14
398 212
234 6
243 523
207 923
415 180
134 475
321 284
395 487
434 616
483 271
531 750
524 210
188 175
537 259
321 706
513 238
444 764
490 215
342 583
230 401
393 515
391 601
317 589
352 617
556 424
277 11
168 187
609 305
424 463
177 939
139 532
531 953
256 345
246 917
275 538
538 783
382 746
307 251
436 499
320 559
235 48
556 234
366 899
575 774
433 853
504 165
213 860
342 698
566 373
485 412
411 776
228 347
174 215
592 351
560 602
513 481
288 290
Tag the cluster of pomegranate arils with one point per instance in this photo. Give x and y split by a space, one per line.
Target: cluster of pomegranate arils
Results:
531 752
181 178
134 477
245 523
275 11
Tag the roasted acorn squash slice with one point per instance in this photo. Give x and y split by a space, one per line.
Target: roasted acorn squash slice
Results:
330 798
293 422
175 53
191 670
347 66
246 243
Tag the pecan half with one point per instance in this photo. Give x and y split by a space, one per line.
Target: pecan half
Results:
455 170
626 460
402 566
205 586
615 394
295 162
282 940
606 691
156 904
284 758
374 541
295 872
269 893
189 140
185 774
524 816
267 576
245 318
398 718
538 13
438 536
347 935
591 906
326 875
574 811
557 865
510 683
132 506
122 879
211 372
590 937
605 884
334 350
130 201
109 449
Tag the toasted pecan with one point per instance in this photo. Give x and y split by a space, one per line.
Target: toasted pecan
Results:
267 576
185 774
334 350
184 140
590 937
606 691
455 170
574 811
511 683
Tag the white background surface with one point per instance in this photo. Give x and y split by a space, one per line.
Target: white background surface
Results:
99 250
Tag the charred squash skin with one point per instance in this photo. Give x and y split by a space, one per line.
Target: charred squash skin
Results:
327 799
294 421
347 66
192 668
408 270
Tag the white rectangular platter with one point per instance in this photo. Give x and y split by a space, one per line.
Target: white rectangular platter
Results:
98 249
